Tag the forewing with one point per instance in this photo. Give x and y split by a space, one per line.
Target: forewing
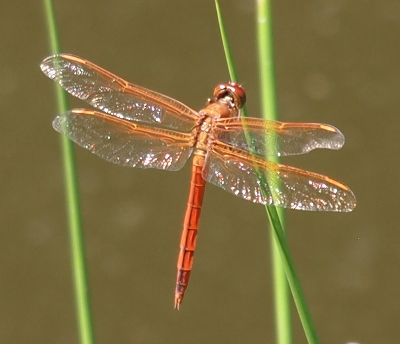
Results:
272 138
123 142
115 96
265 182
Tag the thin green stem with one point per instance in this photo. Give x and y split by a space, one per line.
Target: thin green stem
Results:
82 298
227 50
225 44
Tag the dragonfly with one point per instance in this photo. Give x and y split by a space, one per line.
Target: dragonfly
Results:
138 127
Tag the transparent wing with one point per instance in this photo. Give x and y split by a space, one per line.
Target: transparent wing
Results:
287 186
269 138
115 96
125 143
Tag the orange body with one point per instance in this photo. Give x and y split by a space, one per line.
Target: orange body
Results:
190 227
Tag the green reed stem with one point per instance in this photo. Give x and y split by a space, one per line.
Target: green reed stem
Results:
269 111
280 250
82 299
283 265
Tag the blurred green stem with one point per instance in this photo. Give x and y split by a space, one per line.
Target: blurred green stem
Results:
282 260
269 106
283 265
82 298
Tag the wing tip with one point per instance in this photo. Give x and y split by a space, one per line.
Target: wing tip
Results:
48 64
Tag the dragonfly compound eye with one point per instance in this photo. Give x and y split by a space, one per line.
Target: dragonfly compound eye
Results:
232 90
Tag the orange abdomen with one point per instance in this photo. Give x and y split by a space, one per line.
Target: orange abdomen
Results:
190 226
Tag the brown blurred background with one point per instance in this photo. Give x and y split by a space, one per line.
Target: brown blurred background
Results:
337 62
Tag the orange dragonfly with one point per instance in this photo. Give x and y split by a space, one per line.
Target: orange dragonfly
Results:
138 127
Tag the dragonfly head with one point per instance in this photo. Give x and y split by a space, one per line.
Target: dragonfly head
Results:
231 93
